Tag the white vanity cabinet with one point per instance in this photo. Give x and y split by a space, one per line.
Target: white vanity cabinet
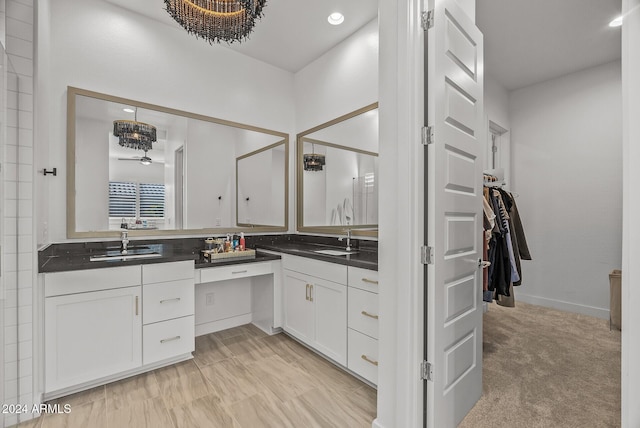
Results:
315 305
93 325
105 324
363 323
168 316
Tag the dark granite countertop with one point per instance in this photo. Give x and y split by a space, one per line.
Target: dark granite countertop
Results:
77 255
359 258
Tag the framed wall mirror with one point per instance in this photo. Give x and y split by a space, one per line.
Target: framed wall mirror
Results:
337 175
193 180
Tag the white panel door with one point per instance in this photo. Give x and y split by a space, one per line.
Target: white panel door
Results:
89 336
298 306
330 306
454 214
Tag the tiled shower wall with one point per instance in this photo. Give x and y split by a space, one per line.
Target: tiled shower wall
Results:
18 245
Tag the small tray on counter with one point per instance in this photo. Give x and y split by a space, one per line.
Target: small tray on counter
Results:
211 255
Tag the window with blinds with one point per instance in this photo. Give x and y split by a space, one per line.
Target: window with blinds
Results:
122 199
136 200
151 200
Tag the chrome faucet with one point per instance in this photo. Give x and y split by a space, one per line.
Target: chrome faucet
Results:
125 242
348 239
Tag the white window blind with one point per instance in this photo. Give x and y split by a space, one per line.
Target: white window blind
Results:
151 200
128 199
122 199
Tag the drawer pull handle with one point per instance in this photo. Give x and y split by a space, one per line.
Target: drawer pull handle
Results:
171 339
367 314
311 292
364 357
306 293
177 299
370 281
137 305
239 271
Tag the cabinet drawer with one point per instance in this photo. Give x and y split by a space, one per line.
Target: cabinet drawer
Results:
325 270
81 281
163 272
363 279
240 270
363 356
363 311
167 300
168 339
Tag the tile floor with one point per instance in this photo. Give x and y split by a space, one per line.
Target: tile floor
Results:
239 378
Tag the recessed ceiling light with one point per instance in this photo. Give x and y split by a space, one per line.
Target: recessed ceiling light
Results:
129 110
616 22
336 18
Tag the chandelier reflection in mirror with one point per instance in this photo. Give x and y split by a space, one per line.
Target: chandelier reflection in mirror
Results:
313 161
134 134
216 20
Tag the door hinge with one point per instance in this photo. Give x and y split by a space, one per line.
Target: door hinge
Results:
426 371
427 135
427 19
426 255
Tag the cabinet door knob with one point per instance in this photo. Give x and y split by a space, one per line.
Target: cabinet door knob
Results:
364 357
367 314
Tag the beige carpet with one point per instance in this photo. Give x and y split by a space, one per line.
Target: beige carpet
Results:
547 368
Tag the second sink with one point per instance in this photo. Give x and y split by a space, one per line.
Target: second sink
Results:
335 252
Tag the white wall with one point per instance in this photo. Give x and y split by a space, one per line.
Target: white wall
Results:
98 46
567 157
210 148
631 211
94 172
339 82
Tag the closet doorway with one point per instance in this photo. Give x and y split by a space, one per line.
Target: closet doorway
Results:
552 79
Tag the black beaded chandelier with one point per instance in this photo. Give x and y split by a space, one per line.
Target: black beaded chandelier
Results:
134 134
313 161
216 20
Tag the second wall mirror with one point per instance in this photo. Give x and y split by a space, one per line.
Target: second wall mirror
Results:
337 175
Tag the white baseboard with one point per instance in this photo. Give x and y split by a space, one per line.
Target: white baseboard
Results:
376 424
213 326
563 306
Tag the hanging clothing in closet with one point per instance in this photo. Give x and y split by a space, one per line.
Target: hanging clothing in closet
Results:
505 245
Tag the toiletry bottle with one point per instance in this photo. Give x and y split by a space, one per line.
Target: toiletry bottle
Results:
242 247
227 244
236 243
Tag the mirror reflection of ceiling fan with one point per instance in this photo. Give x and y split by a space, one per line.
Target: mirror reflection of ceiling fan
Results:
144 160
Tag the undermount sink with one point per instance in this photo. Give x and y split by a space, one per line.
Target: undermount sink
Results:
335 252
123 257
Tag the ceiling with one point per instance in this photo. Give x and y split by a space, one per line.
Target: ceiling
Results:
527 42
291 34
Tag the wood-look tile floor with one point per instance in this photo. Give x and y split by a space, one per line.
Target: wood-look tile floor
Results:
239 378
